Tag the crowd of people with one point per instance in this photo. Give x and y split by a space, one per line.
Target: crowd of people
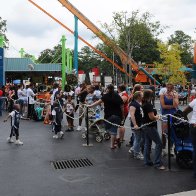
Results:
137 106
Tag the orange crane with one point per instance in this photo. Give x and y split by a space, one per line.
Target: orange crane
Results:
67 28
125 59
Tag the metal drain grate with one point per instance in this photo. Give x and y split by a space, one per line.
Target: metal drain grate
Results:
68 164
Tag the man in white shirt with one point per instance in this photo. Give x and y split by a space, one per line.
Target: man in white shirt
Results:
192 108
31 101
163 90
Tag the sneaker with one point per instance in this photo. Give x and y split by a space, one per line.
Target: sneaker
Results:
131 150
160 167
139 157
61 134
79 128
18 142
10 140
55 136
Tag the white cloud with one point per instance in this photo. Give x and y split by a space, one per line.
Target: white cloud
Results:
31 29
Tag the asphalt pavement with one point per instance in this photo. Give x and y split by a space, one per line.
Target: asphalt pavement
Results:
28 170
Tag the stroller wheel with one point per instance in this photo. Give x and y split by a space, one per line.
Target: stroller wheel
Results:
184 159
106 136
84 135
99 138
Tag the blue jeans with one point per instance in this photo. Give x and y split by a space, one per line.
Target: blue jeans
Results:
193 138
151 134
137 141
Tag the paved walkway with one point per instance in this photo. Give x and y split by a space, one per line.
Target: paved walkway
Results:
27 170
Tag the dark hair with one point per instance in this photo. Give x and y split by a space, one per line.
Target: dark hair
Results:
110 87
56 85
96 87
55 104
122 87
148 94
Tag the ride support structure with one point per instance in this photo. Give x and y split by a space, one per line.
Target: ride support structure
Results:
125 59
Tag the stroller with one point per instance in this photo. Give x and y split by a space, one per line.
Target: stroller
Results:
182 141
38 111
96 128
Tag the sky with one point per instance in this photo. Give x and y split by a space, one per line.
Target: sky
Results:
31 29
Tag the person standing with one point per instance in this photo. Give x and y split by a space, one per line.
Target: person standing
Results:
57 114
31 101
151 132
82 96
69 110
192 108
113 112
123 94
136 115
1 101
169 104
15 121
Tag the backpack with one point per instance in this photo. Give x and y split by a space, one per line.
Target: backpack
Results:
59 115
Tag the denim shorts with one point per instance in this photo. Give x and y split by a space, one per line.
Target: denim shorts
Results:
112 128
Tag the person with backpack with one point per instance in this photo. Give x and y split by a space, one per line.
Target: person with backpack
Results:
15 121
57 115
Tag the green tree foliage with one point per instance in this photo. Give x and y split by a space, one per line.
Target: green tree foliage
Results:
170 65
3 30
136 34
89 59
186 45
51 55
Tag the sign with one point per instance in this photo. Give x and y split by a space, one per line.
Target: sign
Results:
2 76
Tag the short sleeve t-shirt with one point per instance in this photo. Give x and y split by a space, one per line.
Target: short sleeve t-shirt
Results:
15 119
193 106
90 99
112 104
148 108
138 113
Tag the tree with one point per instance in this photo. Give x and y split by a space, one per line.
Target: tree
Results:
51 55
136 35
3 30
186 45
170 65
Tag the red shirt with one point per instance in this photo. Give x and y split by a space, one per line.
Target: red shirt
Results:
1 93
126 104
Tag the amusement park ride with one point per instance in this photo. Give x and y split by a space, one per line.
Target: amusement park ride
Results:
142 75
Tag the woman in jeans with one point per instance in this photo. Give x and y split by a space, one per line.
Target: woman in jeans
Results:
113 112
151 132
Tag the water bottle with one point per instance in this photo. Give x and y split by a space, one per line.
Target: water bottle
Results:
97 115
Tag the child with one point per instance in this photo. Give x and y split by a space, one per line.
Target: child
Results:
69 109
15 121
57 114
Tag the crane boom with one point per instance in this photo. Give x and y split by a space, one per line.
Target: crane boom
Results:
88 44
123 55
